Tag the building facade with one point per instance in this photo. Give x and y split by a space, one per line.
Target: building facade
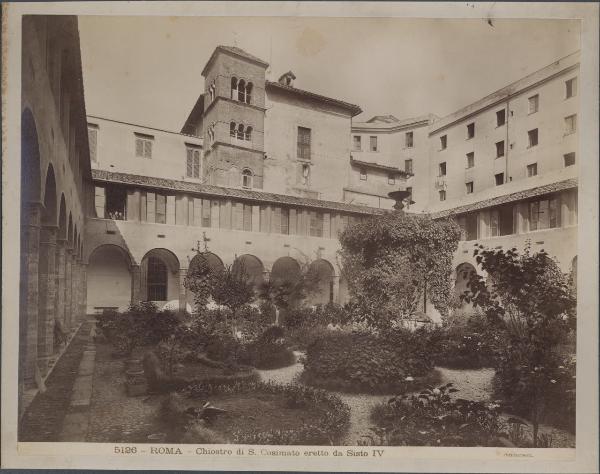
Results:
55 192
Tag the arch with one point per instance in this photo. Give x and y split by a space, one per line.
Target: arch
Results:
234 86
247 178
320 275
62 219
240 131
232 129
248 134
242 90
30 160
252 267
285 270
212 260
249 87
463 274
109 278
160 275
49 215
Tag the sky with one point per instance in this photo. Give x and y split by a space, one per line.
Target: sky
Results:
147 70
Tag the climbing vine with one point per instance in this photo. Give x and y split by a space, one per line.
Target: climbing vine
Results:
390 260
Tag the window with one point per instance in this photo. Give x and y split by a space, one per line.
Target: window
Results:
533 137
442 195
501 221
373 143
304 143
193 162
470 160
500 117
212 90
500 149
240 132
442 169
569 159
247 178
391 179
471 226
470 130
499 178
443 142
241 96
543 214
316 224
143 145
408 166
205 213
409 198
363 174
285 221
93 141
408 139
232 129
570 124
161 209
571 87
116 203
234 85
532 170
305 174
469 187
534 104
357 146
248 93
248 134
157 279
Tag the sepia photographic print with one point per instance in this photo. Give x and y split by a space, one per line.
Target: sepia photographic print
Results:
292 236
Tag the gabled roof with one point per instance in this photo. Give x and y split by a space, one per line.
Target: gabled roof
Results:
235 51
222 192
353 109
383 118
508 198
389 125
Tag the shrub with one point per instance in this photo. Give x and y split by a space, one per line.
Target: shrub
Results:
331 425
301 337
434 418
362 361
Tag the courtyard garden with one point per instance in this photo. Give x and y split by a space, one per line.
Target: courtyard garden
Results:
265 367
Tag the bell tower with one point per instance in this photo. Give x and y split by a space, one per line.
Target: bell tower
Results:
234 118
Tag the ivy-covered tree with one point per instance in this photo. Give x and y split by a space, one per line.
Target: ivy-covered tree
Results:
390 261
530 300
233 288
200 280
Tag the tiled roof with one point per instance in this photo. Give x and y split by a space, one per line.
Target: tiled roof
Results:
195 114
508 198
393 125
241 52
219 191
354 109
369 164
383 118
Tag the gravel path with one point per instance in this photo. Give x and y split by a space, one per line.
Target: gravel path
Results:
472 384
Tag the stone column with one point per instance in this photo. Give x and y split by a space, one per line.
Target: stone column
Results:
47 296
68 281
73 305
83 295
29 292
60 280
77 284
136 284
336 289
182 289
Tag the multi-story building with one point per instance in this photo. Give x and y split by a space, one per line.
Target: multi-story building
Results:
506 166
389 154
55 192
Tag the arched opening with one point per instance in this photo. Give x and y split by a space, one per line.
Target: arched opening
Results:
246 178
242 91
213 261
240 132
252 267
160 276
320 280
285 270
234 85
249 93
108 279
70 231
248 134
232 129
28 282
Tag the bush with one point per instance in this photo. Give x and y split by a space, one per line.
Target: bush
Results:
268 351
434 418
301 337
332 423
363 361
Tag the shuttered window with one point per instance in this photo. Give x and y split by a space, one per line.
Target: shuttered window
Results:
93 142
316 224
161 209
193 162
143 145
304 143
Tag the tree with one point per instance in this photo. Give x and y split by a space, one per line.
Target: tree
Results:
233 288
530 300
200 280
390 261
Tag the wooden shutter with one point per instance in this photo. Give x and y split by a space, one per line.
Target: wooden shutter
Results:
276 220
139 147
189 165
151 207
171 210
247 217
100 202
93 141
196 169
143 211
237 215
293 224
147 148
